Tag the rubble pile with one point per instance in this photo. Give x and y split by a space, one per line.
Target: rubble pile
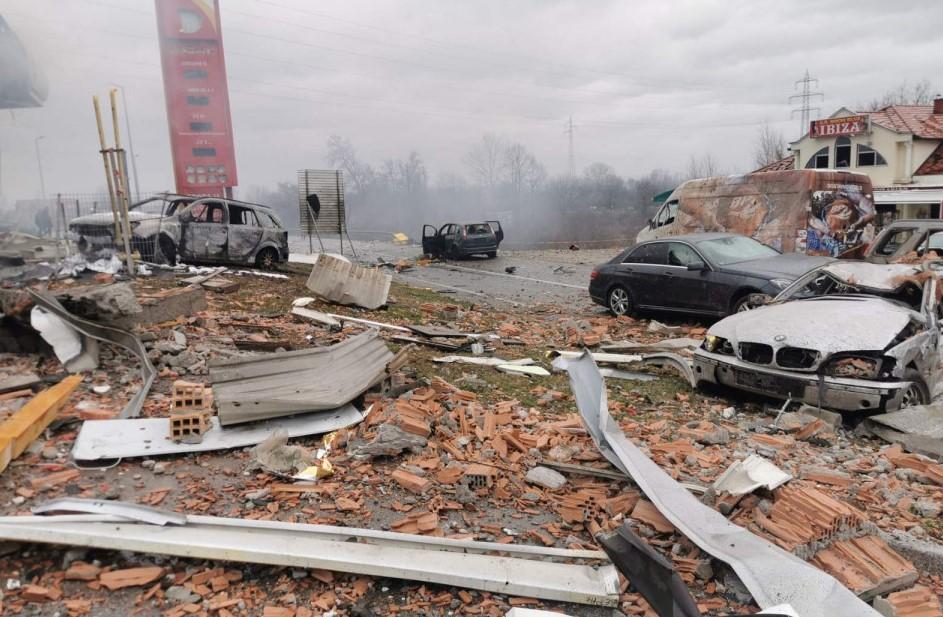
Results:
451 451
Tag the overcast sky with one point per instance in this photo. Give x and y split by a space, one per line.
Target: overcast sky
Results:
648 83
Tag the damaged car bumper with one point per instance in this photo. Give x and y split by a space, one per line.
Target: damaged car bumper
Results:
813 389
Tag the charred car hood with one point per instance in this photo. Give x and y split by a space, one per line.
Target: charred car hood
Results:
787 265
106 218
821 324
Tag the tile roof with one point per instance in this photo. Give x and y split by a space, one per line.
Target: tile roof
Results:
782 164
917 119
934 163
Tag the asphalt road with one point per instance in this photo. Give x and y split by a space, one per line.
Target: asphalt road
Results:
558 277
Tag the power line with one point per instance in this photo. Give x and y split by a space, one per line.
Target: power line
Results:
805 101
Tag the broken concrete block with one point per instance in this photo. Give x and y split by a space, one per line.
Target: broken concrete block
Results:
166 305
829 417
390 440
546 477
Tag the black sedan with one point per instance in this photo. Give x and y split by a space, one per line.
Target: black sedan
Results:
707 274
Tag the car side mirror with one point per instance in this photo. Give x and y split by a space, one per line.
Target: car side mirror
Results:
699 266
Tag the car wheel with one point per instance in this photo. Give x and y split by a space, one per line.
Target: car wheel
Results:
916 393
492 254
266 259
750 302
619 301
168 250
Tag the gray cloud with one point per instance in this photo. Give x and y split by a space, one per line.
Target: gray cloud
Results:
648 82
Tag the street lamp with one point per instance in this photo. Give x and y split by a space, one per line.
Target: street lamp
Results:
127 124
39 162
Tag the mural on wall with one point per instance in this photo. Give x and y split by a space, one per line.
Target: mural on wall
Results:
840 218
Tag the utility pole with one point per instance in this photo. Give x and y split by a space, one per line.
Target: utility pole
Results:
805 97
568 129
39 162
134 162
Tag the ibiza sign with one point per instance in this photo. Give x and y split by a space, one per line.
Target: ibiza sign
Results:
836 127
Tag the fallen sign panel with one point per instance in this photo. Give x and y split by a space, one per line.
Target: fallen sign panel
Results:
291 545
271 385
346 283
772 575
113 439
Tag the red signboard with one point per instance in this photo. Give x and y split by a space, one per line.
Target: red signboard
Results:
835 127
197 95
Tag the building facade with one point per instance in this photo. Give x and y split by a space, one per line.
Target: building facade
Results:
900 147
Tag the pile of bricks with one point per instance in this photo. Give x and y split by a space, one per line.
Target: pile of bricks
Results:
191 407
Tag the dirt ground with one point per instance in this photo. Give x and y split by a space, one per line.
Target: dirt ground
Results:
530 318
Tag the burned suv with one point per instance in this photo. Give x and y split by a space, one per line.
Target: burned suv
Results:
850 336
462 240
207 229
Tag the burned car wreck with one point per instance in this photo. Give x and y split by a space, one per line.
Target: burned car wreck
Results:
849 336
198 230
462 240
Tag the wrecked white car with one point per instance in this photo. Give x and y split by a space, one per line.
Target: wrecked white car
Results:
198 230
849 336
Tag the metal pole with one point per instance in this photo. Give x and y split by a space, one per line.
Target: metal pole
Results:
134 162
121 182
39 162
107 162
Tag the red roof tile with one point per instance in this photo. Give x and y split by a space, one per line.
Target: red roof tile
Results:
934 163
917 119
782 164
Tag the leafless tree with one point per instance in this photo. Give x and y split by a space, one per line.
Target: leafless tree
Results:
604 187
486 160
342 155
770 146
703 166
918 93
524 172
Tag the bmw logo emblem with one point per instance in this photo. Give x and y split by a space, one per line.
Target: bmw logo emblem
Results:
779 338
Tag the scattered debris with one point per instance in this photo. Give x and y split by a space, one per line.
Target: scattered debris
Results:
750 474
771 574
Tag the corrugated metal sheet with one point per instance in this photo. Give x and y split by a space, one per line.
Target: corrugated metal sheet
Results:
281 384
342 282
328 185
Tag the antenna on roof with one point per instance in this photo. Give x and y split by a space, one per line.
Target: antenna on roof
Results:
805 101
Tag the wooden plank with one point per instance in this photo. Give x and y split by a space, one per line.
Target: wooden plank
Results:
33 418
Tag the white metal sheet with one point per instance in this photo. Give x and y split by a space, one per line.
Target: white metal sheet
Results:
110 439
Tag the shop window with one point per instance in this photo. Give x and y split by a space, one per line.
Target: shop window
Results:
869 157
819 160
842 152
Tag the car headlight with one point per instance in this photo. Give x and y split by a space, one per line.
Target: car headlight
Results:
854 367
780 283
717 344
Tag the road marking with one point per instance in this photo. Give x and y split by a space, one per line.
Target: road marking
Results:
510 276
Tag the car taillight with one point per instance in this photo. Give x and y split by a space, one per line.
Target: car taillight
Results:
594 275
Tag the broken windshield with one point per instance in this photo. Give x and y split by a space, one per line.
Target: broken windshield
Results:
819 283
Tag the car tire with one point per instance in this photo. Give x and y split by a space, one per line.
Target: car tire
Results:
492 254
266 259
619 301
917 393
750 301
